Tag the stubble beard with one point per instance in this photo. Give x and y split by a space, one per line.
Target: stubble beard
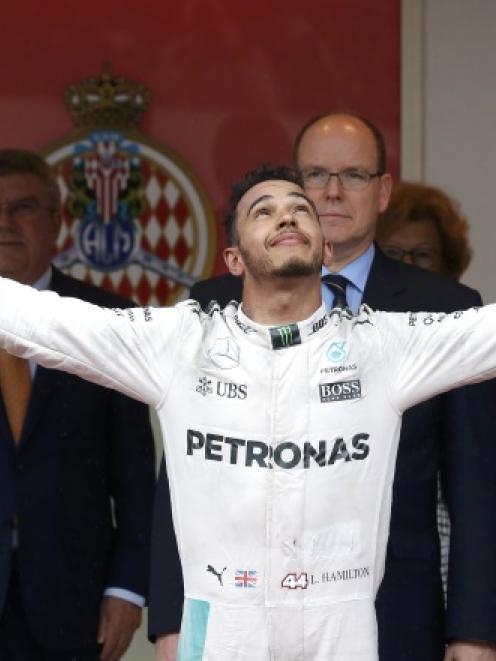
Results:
294 267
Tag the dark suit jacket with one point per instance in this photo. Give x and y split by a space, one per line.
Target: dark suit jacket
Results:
81 445
454 433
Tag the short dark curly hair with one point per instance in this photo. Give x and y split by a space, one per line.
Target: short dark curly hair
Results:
412 201
264 172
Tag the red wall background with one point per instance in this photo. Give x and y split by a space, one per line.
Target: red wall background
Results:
231 82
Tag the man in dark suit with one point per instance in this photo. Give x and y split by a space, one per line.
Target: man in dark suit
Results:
333 153
76 474
344 163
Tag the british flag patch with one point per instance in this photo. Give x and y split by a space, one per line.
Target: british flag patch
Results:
245 578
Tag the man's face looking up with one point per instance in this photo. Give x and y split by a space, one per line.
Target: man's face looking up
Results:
277 233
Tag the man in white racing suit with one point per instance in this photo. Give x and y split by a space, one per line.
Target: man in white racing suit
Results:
282 425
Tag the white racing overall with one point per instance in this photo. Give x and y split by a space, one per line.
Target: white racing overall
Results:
280 446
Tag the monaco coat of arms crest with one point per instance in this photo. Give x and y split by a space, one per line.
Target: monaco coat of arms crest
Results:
135 218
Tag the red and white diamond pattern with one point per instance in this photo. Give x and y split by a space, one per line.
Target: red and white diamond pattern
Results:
167 229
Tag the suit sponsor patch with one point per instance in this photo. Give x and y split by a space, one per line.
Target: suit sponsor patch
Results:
340 391
286 455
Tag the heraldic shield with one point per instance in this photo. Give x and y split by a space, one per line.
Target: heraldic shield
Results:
135 218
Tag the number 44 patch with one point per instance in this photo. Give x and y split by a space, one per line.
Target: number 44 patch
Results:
295 581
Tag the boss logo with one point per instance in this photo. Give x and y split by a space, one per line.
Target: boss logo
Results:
341 390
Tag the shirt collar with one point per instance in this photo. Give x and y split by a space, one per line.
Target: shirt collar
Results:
358 270
44 281
279 337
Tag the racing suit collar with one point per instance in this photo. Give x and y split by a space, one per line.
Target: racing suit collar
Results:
281 337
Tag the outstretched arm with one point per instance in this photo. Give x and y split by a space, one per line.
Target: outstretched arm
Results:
429 353
129 350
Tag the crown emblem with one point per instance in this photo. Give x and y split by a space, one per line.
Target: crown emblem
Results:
106 101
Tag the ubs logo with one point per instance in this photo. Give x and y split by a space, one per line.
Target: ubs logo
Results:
226 389
204 386
232 390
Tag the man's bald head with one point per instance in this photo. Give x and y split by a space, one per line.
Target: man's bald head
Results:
377 136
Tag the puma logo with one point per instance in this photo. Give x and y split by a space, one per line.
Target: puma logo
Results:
216 573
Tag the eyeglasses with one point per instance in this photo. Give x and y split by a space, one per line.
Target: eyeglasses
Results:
24 208
349 178
424 257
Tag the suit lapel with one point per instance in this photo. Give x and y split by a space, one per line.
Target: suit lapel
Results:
386 285
5 431
44 383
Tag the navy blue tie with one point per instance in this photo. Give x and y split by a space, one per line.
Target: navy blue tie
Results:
337 284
